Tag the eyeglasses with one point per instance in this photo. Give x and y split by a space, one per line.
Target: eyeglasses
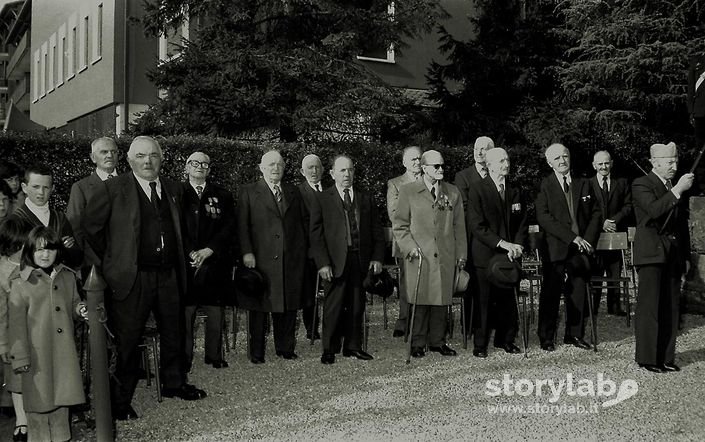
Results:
435 166
203 164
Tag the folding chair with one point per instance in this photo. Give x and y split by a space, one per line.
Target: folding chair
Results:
617 241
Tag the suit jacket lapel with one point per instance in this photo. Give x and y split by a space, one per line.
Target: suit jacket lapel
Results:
266 196
130 189
598 191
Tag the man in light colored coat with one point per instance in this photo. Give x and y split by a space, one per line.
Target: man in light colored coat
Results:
429 225
412 163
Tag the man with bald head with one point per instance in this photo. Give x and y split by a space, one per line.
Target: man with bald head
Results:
568 215
133 224
273 226
614 199
412 163
209 235
311 188
104 154
661 253
347 242
496 216
429 227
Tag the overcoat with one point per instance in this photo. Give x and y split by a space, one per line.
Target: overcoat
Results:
393 187
41 335
209 222
82 191
279 242
438 229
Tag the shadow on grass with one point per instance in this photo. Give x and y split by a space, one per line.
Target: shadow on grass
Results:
690 357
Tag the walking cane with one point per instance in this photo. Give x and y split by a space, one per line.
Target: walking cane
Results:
593 330
522 314
315 310
413 311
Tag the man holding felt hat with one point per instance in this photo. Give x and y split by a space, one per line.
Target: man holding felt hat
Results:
496 216
567 212
661 247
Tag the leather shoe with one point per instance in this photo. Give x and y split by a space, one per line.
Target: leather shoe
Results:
358 354
444 350
670 366
480 353
186 392
618 313
652 368
217 363
287 355
328 358
548 346
18 435
125 414
418 352
509 348
576 342
398 333
257 359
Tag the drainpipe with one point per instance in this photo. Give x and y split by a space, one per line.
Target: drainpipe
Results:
126 65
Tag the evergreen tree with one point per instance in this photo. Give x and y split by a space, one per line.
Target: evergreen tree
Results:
283 66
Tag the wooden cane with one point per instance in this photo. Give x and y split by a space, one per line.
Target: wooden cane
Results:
315 310
413 311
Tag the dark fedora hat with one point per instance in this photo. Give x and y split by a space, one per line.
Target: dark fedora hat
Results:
503 273
250 285
381 284
578 265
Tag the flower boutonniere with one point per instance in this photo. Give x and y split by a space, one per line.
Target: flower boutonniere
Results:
212 207
442 202
586 198
516 207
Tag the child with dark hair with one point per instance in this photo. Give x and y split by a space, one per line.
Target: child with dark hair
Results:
12 174
12 235
43 302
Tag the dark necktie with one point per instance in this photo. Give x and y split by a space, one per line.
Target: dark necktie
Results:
605 189
352 221
566 187
278 197
433 193
483 172
153 196
669 186
501 191
318 187
199 191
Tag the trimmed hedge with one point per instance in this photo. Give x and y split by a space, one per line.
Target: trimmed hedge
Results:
235 163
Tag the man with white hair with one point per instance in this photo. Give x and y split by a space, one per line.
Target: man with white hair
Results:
661 251
568 215
133 224
104 154
464 180
209 233
273 227
429 225
311 188
412 163
496 216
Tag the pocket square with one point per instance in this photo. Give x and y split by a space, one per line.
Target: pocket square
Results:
586 198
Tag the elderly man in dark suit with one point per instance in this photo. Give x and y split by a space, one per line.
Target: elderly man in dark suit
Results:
312 171
429 225
134 224
273 226
104 154
412 163
38 185
661 251
464 180
496 216
570 218
696 109
209 214
614 197
347 241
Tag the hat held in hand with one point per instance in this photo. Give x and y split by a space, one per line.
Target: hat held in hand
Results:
503 273
462 279
250 285
381 284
